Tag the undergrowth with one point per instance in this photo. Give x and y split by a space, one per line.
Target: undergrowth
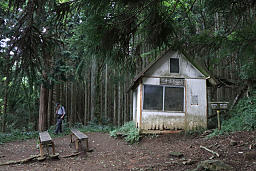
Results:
242 117
16 135
128 131
93 127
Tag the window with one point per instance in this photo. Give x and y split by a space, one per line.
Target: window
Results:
153 97
174 99
174 65
164 98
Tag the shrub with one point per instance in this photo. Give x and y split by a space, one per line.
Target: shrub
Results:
17 135
128 131
242 117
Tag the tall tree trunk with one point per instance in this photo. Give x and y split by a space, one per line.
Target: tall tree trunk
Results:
93 88
42 125
5 104
115 103
89 96
131 106
73 103
85 102
51 120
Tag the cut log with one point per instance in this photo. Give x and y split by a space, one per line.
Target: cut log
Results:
20 161
207 149
71 155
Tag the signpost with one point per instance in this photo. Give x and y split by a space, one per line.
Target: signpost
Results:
219 106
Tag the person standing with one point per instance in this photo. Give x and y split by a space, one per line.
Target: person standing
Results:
60 112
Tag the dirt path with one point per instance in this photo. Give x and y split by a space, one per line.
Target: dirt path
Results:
152 153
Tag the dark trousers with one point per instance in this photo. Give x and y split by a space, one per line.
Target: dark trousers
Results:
59 124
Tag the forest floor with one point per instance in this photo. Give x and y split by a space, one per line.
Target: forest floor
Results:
151 153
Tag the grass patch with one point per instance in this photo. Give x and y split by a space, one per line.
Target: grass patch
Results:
129 131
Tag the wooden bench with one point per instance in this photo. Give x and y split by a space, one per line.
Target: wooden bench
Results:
79 138
46 140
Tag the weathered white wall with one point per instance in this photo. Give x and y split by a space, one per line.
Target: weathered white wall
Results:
162 67
154 120
134 112
138 106
152 81
196 115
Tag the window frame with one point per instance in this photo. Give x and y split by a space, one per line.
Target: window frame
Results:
163 89
178 66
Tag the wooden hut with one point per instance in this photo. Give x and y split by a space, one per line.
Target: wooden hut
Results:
170 94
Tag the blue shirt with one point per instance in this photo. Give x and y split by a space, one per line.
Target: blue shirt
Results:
61 111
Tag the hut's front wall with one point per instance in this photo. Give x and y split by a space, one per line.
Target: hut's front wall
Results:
196 97
194 113
193 116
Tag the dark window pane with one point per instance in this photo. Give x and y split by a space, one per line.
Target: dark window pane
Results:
153 97
174 65
174 99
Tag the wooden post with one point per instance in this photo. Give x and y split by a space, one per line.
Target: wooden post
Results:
76 144
41 150
53 148
218 117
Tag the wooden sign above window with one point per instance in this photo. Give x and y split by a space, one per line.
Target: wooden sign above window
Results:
172 82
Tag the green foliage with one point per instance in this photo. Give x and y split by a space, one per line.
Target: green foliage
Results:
195 131
243 117
17 135
93 127
129 131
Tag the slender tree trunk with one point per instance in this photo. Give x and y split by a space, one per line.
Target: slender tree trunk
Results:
125 104
106 94
93 88
119 104
85 103
67 108
72 106
101 100
79 101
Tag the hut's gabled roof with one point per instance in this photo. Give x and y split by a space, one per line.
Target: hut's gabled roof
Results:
138 77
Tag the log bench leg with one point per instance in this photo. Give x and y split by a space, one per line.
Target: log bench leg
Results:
86 145
53 148
41 150
77 144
